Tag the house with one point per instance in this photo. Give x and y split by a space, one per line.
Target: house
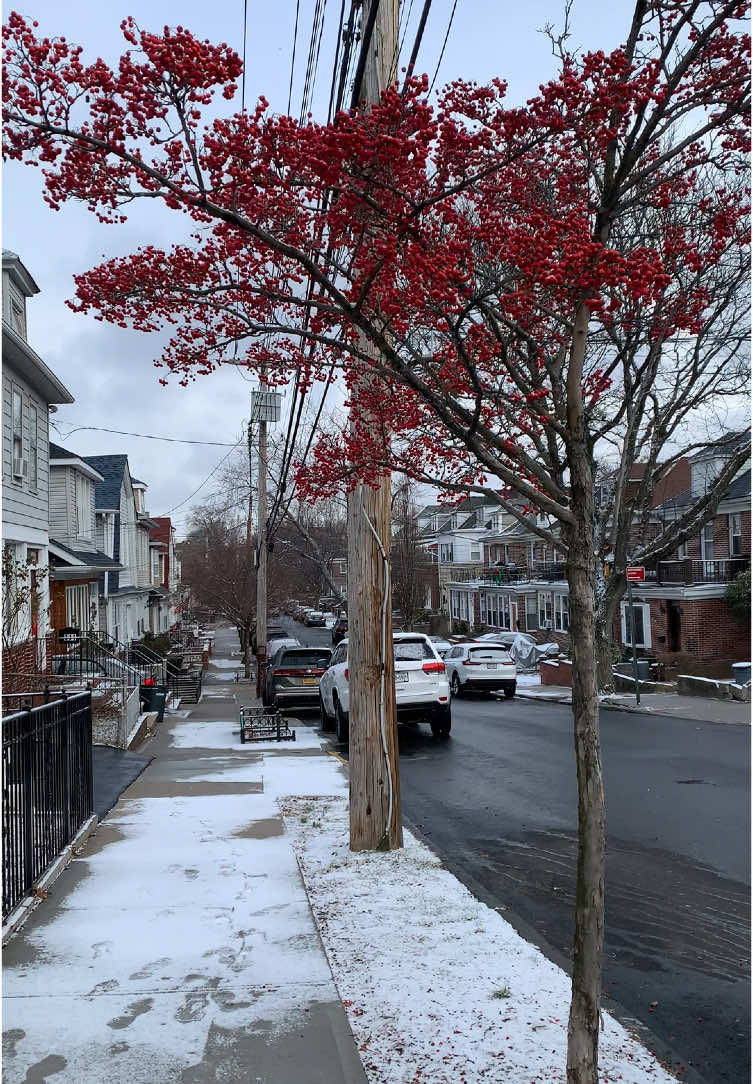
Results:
164 604
122 533
30 392
680 612
76 562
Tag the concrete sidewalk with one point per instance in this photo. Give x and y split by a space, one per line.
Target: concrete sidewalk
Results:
179 946
693 708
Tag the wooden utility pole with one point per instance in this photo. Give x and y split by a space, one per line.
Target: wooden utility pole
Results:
375 822
261 568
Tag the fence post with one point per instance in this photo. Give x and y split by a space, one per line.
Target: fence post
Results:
27 775
65 757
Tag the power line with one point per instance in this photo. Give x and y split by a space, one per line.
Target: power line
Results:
210 475
417 42
444 44
243 81
143 436
292 62
363 55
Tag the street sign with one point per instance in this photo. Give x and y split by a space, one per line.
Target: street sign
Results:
635 573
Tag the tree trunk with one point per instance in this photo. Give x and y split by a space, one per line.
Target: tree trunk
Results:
588 938
246 654
583 1025
607 649
374 773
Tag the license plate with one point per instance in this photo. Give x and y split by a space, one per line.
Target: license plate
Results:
401 675
309 681
491 666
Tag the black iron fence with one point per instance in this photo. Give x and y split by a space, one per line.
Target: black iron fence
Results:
48 791
695 570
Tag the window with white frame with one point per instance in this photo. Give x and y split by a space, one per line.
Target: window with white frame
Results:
561 613
18 316
446 552
640 618
77 606
83 506
735 534
33 446
155 567
682 551
545 609
476 552
18 429
707 542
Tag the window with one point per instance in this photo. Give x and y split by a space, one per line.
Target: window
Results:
446 553
18 431
33 447
532 617
641 618
707 542
682 551
475 553
561 613
77 606
735 534
83 506
545 609
18 316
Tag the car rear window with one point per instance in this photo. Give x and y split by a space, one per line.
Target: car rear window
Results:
315 659
412 651
493 654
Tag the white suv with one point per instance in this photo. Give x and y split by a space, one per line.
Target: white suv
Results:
421 689
485 667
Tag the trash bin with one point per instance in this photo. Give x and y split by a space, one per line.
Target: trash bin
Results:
146 695
643 667
741 673
159 696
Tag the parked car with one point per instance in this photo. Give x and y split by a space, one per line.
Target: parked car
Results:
482 667
273 646
441 645
315 619
339 629
509 638
292 677
421 687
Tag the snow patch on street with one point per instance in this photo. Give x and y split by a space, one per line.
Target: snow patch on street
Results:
226 734
437 986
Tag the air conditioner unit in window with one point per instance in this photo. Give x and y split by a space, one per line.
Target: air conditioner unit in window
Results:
545 625
20 468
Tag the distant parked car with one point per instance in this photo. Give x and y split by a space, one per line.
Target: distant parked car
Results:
481 667
273 646
339 629
441 645
421 688
315 619
292 678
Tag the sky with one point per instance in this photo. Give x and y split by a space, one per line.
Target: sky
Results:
109 370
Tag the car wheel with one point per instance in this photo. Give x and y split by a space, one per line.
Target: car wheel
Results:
342 724
441 724
455 686
510 691
325 720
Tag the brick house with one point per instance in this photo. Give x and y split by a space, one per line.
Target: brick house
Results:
681 612
164 598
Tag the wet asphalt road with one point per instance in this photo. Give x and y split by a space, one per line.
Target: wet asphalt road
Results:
497 802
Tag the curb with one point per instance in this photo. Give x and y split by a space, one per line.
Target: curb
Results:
22 910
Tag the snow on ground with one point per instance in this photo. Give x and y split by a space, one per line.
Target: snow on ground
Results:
226 734
528 679
438 987
227 664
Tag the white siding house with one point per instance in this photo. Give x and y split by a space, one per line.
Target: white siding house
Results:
30 390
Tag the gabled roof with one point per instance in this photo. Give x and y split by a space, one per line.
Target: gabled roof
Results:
112 468
726 446
19 273
738 488
59 454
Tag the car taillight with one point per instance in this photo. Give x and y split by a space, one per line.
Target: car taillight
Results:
149 681
472 662
345 675
433 668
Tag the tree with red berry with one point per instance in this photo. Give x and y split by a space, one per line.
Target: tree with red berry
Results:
464 262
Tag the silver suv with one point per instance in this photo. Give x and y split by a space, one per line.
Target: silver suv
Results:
484 667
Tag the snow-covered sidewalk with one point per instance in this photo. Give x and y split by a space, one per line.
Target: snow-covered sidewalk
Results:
438 987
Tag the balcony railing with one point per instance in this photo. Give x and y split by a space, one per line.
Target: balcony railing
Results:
502 574
693 570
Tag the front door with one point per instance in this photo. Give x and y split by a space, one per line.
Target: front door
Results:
674 626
